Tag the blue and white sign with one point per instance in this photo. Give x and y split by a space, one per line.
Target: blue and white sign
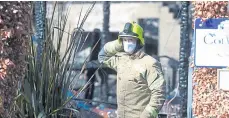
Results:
212 43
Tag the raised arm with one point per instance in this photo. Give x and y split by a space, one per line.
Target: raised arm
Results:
107 53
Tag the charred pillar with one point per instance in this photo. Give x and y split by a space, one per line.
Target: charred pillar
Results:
184 56
105 39
106 20
94 56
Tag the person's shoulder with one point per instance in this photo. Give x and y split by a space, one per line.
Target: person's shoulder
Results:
150 60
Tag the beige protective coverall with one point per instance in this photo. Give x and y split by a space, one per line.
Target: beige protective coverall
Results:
140 82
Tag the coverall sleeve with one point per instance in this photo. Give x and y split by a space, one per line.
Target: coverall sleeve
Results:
156 84
107 54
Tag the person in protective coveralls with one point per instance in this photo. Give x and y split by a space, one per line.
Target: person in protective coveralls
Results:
140 81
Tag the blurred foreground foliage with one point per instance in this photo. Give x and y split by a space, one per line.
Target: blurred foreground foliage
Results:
34 87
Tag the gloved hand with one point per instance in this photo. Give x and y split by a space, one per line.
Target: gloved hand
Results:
145 114
112 47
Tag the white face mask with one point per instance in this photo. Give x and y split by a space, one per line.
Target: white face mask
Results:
129 47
